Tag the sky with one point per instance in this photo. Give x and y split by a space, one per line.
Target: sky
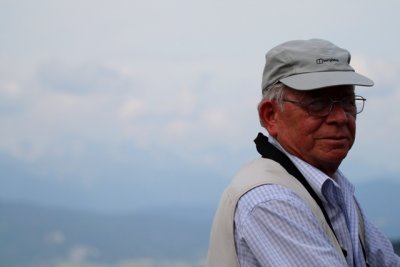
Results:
122 105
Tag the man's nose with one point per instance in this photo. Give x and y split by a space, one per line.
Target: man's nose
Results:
338 114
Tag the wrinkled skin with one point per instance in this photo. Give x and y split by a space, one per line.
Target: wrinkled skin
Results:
321 141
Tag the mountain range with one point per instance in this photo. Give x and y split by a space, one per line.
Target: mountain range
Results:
48 236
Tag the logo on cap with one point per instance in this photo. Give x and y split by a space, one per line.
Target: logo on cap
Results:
323 60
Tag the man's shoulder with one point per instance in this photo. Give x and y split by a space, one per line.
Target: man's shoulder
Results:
256 173
265 183
268 194
272 200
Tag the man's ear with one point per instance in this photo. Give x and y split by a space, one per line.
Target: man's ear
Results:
268 111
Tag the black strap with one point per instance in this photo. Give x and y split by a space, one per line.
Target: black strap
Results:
269 151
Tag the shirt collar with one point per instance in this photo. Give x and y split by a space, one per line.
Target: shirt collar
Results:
319 181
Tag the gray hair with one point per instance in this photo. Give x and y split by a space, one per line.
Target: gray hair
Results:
273 92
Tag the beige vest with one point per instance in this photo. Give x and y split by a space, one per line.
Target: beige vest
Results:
222 251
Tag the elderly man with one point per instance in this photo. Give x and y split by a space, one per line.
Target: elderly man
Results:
293 207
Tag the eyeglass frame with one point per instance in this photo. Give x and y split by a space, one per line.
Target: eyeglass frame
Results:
305 105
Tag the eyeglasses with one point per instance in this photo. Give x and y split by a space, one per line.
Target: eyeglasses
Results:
322 107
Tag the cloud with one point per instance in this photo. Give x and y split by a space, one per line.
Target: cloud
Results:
188 109
64 111
84 78
82 253
132 108
55 238
10 89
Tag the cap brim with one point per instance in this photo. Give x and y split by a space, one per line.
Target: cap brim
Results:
317 80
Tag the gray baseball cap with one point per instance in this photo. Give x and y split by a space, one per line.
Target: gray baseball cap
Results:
310 64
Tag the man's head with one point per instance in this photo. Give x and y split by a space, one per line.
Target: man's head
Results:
309 104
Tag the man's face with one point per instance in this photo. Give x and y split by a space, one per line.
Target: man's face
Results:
321 141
